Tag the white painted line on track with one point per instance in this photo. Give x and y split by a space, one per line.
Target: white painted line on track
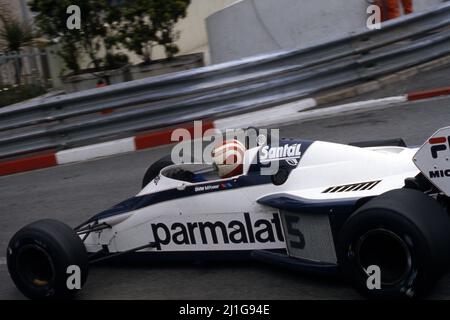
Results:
360 106
266 116
304 110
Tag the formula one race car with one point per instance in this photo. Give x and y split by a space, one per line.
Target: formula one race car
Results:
376 214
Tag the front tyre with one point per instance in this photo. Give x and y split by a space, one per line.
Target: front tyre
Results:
43 258
405 234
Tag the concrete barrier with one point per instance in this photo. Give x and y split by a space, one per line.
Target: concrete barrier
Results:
251 27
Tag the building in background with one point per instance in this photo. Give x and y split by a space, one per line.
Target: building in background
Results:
192 29
33 65
193 38
193 34
225 30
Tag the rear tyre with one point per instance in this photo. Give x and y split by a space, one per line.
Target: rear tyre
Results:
403 232
155 169
39 256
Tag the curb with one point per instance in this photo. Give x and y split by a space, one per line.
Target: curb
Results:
28 164
95 151
380 83
299 111
292 112
266 116
298 116
429 94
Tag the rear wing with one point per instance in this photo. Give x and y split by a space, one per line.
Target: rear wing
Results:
433 160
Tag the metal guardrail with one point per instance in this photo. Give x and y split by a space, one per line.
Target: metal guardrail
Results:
224 89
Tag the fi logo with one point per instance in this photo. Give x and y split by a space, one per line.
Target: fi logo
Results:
438 144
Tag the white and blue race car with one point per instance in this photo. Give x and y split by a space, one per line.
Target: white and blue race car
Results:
359 210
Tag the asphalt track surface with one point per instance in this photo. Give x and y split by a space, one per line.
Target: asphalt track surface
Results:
73 193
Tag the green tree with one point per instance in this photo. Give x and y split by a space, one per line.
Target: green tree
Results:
14 36
137 25
95 17
145 24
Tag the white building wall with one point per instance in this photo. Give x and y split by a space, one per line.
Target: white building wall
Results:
193 35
